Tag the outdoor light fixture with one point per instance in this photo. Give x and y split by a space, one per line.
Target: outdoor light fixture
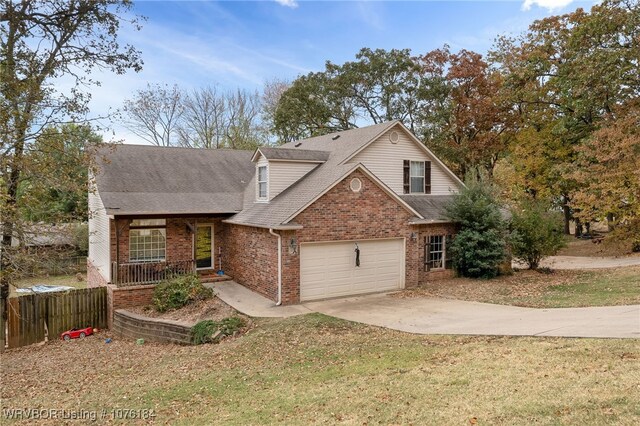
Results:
414 236
293 246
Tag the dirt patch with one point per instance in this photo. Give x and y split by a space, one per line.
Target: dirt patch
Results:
210 309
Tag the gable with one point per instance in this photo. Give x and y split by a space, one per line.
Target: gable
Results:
341 210
385 159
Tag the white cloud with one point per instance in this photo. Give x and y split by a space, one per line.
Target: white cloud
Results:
550 5
288 3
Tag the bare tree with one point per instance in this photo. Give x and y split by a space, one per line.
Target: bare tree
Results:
243 126
154 113
271 94
204 119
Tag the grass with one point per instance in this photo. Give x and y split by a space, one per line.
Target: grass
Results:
316 369
67 280
559 289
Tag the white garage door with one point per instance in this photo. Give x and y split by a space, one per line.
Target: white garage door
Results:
329 269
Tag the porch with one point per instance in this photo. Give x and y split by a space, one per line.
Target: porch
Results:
144 273
149 250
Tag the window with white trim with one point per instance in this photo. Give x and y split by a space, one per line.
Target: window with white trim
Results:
262 182
147 240
416 177
436 252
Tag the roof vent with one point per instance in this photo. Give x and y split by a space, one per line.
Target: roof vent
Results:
298 144
335 137
394 137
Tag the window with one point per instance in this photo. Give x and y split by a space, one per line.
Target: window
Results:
147 240
436 254
417 177
262 182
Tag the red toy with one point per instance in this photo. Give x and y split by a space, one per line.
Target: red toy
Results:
74 333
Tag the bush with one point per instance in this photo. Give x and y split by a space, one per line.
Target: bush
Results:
178 291
207 331
479 248
535 233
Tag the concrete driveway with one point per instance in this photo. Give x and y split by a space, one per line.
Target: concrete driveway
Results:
442 316
423 315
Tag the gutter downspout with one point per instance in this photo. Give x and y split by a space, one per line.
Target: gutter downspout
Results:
279 302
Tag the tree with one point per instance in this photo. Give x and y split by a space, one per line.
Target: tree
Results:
44 196
243 129
271 93
378 86
536 232
465 118
154 113
608 172
479 248
204 119
572 70
40 42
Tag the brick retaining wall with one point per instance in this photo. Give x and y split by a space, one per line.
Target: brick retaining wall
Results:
127 297
133 326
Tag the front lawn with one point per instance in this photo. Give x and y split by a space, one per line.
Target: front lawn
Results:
319 370
558 289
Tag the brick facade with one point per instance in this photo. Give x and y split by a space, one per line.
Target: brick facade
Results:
339 215
342 214
250 257
249 254
127 297
179 237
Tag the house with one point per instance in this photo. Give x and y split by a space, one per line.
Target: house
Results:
348 213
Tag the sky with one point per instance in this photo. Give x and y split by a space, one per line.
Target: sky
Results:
242 44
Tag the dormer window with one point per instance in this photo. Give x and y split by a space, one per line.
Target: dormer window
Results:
262 183
417 177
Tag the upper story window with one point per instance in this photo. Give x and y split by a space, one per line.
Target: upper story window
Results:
147 240
262 182
417 177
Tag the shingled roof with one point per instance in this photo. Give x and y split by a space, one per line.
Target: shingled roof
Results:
140 179
293 154
146 180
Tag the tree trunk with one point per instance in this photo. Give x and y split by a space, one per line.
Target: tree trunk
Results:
610 224
567 215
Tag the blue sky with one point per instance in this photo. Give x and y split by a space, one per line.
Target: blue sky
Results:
244 43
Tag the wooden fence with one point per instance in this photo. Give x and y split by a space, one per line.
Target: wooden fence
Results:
32 317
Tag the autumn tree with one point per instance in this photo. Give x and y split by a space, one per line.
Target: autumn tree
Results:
608 172
465 119
573 71
42 42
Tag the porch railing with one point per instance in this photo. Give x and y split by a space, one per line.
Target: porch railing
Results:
129 274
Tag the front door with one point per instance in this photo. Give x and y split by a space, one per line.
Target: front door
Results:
204 247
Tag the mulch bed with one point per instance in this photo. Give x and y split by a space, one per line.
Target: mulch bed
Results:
210 309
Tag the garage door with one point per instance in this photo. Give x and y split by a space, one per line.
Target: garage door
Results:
329 269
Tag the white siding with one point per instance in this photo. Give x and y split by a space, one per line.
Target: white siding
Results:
283 174
385 160
99 236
